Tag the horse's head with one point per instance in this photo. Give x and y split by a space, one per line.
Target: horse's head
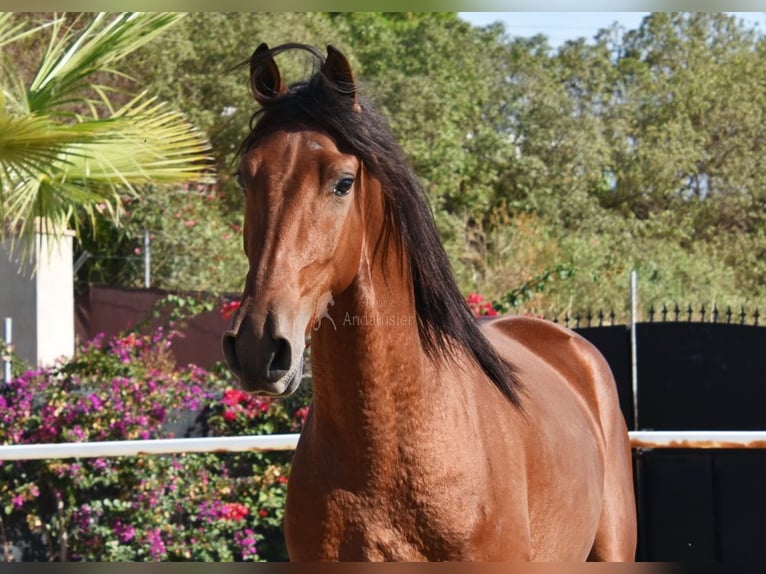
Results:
303 228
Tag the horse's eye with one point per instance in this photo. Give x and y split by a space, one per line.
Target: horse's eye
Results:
240 181
343 186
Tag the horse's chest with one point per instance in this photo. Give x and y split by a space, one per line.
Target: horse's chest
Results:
351 526
404 519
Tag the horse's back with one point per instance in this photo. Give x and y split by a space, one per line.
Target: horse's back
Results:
576 430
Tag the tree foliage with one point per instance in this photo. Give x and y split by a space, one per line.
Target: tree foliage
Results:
638 149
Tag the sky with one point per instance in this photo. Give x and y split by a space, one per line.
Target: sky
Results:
562 26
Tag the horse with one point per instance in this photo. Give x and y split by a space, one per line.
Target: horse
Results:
430 436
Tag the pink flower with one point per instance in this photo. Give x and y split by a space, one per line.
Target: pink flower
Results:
247 541
474 298
300 417
95 401
157 548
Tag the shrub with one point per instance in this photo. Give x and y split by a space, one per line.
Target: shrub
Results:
182 507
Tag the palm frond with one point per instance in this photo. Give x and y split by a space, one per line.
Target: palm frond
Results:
31 144
48 167
143 142
71 58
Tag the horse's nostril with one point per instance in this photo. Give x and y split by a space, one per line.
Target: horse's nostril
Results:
228 343
282 359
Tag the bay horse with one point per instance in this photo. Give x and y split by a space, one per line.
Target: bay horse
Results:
430 436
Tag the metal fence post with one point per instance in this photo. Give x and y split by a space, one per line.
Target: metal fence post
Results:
634 344
7 360
147 260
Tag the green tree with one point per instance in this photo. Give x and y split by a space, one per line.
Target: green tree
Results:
694 85
638 149
68 154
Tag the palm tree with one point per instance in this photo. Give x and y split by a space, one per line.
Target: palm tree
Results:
67 153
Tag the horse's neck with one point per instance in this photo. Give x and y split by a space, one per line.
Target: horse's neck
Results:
371 380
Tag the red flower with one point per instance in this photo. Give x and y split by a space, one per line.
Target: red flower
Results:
234 511
233 397
263 513
300 417
229 308
479 306
487 309
259 405
474 298
130 340
229 415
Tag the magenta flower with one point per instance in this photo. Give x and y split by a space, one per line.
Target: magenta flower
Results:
157 548
124 532
246 540
95 402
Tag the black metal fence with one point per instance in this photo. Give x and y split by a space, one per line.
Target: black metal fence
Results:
666 313
695 505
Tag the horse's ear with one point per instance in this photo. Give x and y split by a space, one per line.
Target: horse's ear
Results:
338 71
265 80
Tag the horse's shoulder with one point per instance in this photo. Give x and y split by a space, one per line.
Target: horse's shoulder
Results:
524 341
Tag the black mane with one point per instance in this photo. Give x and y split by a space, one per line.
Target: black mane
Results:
444 319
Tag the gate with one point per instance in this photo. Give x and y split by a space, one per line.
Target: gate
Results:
695 504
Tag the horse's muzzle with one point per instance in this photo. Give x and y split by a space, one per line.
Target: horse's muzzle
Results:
263 362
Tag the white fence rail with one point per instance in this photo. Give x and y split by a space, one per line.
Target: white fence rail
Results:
638 439
154 446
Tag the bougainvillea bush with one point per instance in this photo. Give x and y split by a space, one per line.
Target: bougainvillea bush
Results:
144 508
